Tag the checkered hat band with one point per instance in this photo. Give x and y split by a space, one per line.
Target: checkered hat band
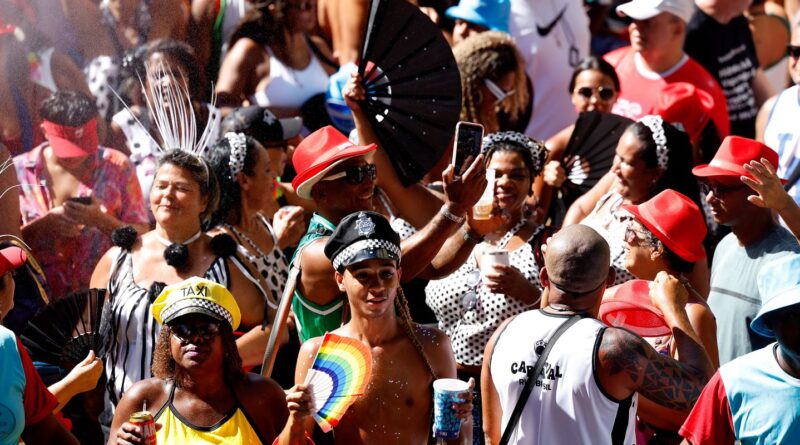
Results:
207 305
372 244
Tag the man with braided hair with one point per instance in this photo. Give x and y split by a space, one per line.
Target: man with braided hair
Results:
397 405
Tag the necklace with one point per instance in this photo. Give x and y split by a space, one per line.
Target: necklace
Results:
239 234
470 298
191 239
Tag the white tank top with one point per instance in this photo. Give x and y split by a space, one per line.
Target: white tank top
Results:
289 87
566 406
781 134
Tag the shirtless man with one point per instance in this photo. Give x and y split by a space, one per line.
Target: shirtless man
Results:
407 358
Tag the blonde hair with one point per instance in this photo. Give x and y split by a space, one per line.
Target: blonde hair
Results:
490 55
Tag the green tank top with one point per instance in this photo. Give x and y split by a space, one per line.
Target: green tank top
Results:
314 320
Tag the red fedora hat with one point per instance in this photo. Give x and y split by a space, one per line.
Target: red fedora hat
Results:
676 221
683 103
318 153
628 306
733 153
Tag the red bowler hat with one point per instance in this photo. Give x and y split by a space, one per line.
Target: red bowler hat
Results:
72 142
317 154
11 258
733 153
687 105
628 306
676 221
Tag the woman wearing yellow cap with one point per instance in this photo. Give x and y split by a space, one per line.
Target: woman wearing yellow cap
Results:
200 393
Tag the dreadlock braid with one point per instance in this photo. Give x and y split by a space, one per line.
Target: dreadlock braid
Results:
405 316
490 55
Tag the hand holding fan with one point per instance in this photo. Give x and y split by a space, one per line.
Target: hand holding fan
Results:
340 373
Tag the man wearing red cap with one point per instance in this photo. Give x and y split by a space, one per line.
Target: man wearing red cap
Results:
335 174
656 58
26 406
755 239
74 193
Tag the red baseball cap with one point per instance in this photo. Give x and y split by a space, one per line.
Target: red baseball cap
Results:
687 105
11 258
628 306
317 154
676 221
733 153
72 142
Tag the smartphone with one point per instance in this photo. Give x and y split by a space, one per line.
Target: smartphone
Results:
469 137
85 200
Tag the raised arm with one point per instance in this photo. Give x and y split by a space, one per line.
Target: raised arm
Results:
626 363
771 193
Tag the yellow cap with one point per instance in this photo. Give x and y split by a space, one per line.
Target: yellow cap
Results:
196 296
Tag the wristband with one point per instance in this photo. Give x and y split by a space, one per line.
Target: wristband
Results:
445 211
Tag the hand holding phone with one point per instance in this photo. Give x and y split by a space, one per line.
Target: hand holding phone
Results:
468 141
85 200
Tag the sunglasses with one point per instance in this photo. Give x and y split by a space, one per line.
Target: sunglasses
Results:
719 190
605 94
356 175
498 93
185 332
793 51
632 235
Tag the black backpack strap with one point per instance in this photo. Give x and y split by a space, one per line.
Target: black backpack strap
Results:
531 381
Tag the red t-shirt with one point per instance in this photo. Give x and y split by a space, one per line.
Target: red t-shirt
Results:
710 421
37 400
641 87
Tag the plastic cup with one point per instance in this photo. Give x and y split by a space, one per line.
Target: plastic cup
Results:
490 258
446 392
483 208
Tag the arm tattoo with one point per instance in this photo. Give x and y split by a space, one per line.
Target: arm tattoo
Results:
660 378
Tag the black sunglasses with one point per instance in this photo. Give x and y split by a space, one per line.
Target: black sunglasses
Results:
719 190
793 51
356 175
603 93
185 332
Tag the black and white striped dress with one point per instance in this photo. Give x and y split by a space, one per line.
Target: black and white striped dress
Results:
134 330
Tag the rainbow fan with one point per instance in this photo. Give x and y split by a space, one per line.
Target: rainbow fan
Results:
338 376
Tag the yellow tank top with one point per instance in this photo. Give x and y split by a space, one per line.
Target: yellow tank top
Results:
234 428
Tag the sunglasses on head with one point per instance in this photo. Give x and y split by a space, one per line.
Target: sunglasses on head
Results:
498 93
793 50
356 175
185 331
603 93
719 190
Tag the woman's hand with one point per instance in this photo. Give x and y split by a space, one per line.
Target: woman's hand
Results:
354 92
463 409
298 399
130 434
462 193
554 174
508 280
290 225
771 193
497 220
84 375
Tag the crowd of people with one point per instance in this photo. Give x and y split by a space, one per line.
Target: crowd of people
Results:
211 166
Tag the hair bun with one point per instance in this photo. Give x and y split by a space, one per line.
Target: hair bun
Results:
223 245
124 237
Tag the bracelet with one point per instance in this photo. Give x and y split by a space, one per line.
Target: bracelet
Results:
445 211
470 237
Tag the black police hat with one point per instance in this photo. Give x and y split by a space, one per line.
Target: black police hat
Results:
260 124
362 236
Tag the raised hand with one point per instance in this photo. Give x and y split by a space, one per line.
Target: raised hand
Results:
462 193
768 186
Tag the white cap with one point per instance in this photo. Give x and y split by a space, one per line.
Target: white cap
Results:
646 9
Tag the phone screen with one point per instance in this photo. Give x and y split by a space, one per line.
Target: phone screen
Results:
469 137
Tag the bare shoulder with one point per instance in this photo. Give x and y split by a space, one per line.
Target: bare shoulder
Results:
313 259
255 386
438 349
152 393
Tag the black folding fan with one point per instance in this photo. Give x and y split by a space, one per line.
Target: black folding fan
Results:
413 87
587 158
64 331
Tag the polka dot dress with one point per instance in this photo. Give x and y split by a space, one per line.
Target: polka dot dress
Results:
468 312
272 266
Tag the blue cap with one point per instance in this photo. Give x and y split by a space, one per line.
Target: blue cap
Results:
779 286
492 14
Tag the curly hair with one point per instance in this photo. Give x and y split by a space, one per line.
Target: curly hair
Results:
490 55
164 364
230 202
209 187
261 25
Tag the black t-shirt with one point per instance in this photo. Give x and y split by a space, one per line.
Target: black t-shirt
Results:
729 54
